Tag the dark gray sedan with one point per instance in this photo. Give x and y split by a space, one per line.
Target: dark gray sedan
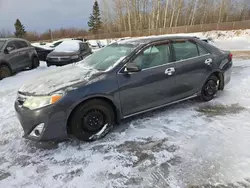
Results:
123 79
68 52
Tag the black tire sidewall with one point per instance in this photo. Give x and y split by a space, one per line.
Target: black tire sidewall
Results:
203 96
7 68
75 122
35 63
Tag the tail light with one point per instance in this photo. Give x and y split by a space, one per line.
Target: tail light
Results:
230 56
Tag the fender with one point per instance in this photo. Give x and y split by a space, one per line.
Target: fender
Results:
117 108
220 75
2 62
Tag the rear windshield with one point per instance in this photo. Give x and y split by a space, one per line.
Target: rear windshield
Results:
1 44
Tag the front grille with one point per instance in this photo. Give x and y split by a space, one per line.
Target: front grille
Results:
59 59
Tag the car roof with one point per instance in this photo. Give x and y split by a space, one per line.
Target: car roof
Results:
10 39
145 40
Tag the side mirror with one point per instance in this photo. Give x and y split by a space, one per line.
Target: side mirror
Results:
132 67
6 51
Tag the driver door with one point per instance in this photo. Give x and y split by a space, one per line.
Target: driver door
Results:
152 86
13 55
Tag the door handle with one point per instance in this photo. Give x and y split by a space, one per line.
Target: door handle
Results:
170 71
208 61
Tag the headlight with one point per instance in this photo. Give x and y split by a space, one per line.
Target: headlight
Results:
39 102
74 57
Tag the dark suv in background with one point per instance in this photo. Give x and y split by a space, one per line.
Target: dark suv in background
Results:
16 55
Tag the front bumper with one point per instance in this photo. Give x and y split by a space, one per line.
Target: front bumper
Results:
53 118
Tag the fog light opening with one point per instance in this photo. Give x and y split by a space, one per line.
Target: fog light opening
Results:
37 131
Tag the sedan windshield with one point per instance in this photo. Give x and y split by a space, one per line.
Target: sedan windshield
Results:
1 44
67 46
109 56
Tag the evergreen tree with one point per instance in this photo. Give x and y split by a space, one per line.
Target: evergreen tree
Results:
20 30
95 19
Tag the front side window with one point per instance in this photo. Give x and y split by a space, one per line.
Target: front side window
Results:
82 47
185 50
1 44
153 56
11 46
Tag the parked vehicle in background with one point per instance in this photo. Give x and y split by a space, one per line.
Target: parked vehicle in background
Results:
68 52
42 52
95 44
124 79
16 55
58 42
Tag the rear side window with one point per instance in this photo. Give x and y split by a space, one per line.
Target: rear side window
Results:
23 44
185 50
202 51
82 47
85 46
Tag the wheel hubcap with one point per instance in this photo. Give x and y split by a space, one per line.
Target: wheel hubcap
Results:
93 121
210 88
4 73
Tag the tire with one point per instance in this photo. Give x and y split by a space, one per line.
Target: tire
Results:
5 72
210 88
48 65
35 63
92 120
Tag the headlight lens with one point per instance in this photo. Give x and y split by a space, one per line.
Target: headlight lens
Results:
39 102
74 57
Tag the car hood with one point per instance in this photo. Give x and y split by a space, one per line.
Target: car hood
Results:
54 53
61 78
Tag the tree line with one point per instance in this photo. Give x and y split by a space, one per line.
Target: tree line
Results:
131 15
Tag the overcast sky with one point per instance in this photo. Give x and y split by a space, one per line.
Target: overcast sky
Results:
40 15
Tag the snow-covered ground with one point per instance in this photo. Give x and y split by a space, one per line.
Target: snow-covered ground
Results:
188 144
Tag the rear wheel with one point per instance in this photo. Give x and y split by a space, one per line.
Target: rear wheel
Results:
210 88
92 120
4 72
35 63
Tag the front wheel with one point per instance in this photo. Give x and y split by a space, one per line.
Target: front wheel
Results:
210 88
4 72
92 120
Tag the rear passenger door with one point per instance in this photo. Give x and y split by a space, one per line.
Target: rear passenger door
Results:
23 49
193 65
